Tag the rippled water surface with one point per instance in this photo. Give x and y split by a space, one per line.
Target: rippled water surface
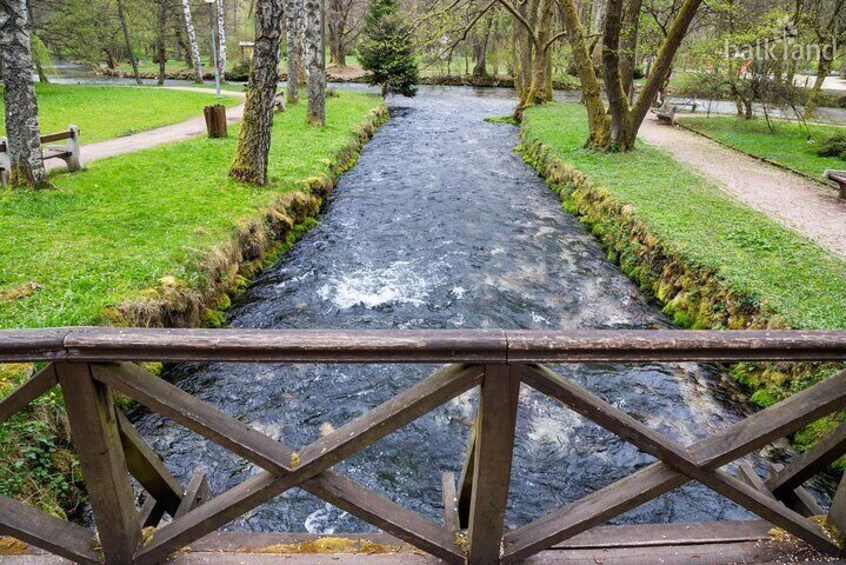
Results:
441 225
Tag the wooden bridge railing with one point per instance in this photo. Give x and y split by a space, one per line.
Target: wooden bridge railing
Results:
89 364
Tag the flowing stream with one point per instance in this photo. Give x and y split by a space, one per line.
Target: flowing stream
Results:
441 225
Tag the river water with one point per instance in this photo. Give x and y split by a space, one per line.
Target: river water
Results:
441 225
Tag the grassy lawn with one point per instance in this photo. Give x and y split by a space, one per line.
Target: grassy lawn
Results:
107 112
110 232
790 273
790 144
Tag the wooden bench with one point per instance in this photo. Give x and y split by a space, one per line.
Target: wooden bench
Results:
666 113
840 178
67 152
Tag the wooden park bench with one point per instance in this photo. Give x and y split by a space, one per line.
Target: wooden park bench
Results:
667 112
68 152
840 178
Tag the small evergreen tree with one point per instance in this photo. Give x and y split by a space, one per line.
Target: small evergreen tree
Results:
386 49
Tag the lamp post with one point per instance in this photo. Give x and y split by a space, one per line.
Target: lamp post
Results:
209 3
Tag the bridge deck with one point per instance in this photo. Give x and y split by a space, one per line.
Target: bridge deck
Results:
713 543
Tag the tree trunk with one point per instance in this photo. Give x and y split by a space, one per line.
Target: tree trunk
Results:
336 24
480 50
221 40
128 41
315 60
192 41
161 45
598 122
660 72
293 13
823 68
628 45
23 130
251 155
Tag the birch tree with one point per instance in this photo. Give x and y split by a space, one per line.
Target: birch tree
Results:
221 39
315 61
293 27
251 155
192 41
24 131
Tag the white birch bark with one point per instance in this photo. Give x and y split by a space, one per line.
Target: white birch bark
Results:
315 62
22 126
192 41
221 38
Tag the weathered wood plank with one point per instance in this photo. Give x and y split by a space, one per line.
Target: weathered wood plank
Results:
151 513
469 346
494 447
668 535
560 346
54 137
343 346
255 447
465 483
777 421
808 464
23 395
747 474
451 520
799 499
47 532
199 417
196 494
837 512
18 346
96 440
148 468
765 426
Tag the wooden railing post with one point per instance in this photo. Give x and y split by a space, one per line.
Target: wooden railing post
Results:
494 447
96 439
837 512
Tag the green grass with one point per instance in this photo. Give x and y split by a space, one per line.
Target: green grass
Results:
107 112
790 144
107 233
756 255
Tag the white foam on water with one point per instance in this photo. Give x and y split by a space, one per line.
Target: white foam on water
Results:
398 283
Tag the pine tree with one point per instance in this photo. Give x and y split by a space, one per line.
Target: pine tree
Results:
386 49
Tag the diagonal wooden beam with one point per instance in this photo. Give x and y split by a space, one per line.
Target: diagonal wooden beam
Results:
737 440
196 494
451 520
826 451
282 472
23 522
147 468
23 395
465 483
341 492
592 510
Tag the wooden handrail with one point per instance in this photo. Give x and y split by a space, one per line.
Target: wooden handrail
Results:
417 346
91 364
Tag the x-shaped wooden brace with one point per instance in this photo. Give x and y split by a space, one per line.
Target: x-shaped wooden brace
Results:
678 465
284 469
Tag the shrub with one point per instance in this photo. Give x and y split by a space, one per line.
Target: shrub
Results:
833 147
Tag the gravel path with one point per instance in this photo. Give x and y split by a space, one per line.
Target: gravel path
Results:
183 131
801 205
